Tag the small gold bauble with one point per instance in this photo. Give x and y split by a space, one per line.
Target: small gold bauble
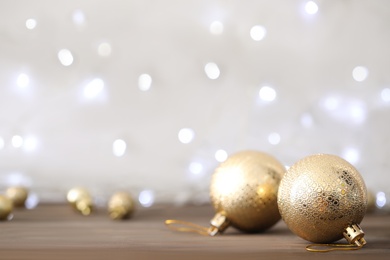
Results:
244 190
81 200
121 205
321 197
18 195
6 207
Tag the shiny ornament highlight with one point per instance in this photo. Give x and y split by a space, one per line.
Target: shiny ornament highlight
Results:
6 207
244 190
121 206
323 198
81 200
18 195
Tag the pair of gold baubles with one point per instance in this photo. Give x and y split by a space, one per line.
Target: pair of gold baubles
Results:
120 205
322 198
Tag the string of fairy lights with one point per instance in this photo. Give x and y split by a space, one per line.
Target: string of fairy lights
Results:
201 155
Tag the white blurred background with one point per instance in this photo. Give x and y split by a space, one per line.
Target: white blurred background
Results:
150 96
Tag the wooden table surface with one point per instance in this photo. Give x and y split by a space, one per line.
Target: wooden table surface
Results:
57 232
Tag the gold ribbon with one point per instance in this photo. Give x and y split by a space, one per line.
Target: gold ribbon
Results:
332 247
185 226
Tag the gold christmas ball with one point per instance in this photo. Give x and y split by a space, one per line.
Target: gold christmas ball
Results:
244 190
121 205
6 207
320 196
80 199
18 195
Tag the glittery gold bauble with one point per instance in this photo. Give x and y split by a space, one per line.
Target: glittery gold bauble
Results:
81 200
121 205
244 190
18 195
320 197
6 207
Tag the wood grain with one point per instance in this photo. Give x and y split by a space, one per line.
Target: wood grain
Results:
57 232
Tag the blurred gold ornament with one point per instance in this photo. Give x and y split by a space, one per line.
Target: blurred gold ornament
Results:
18 195
121 205
243 191
81 200
323 198
6 207
371 202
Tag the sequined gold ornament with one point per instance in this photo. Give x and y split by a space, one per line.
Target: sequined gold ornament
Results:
18 195
243 191
121 205
6 207
323 198
81 200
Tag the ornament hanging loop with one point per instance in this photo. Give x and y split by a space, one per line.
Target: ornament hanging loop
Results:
353 234
331 247
218 224
185 226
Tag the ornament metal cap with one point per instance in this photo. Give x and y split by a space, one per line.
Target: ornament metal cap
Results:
354 235
219 223
80 199
84 206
